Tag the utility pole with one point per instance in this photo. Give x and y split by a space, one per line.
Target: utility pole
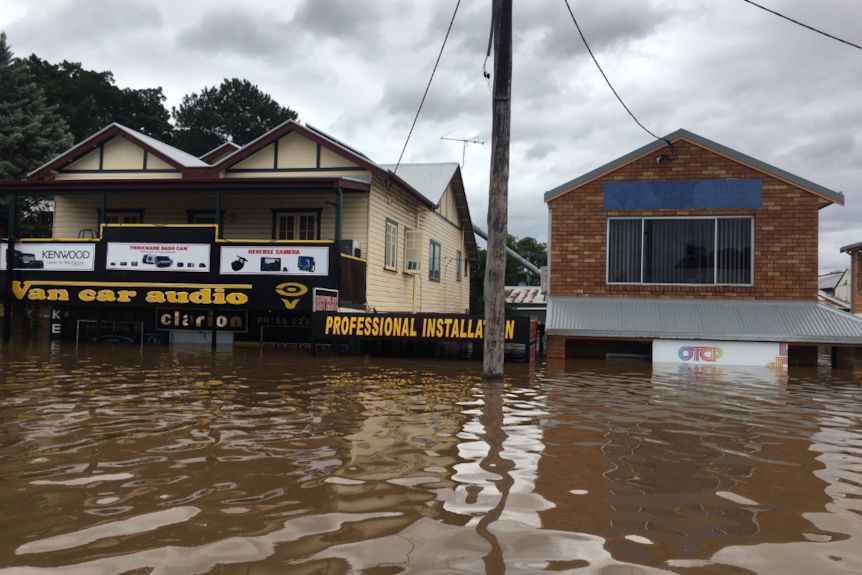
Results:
498 192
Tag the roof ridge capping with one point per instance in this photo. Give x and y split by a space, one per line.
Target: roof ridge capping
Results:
832 195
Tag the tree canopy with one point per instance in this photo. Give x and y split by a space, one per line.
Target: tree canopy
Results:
236 111
529 248
88 100
31 133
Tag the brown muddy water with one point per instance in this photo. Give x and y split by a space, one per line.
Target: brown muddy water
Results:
156 461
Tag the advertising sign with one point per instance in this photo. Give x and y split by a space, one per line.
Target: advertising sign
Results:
150 257
325 299
52 257
201 320
737 353
684 195
275 260
415 327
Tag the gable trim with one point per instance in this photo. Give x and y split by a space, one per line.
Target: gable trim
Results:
98 140
682 135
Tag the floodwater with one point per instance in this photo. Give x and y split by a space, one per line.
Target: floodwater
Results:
157 461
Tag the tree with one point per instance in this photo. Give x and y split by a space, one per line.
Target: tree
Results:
236 111
89 100
529 248
31 134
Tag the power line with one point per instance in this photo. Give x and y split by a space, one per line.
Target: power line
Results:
427 87
803 25
575 20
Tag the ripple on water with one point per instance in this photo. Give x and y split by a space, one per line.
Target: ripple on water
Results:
291 462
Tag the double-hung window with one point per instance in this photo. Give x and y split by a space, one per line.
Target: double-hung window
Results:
391 258
679 250
296 226
434 262
123 218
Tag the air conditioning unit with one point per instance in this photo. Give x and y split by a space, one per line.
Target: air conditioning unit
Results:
545 280
413 251
351 248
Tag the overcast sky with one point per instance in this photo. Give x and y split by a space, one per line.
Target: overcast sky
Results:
357 69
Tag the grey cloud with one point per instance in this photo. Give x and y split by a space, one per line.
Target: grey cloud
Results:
234 30
346 19
539 150
84 23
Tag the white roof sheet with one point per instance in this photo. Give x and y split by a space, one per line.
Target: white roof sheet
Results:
177 155
430 180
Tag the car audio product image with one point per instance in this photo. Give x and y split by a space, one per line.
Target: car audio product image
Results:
270 264
180 264
134 264
148 259
26 261
306 263
237 264
163 261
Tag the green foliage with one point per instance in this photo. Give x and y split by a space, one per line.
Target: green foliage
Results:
529 248
31 134
89 100
236 111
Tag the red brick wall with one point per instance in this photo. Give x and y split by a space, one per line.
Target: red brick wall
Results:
785 245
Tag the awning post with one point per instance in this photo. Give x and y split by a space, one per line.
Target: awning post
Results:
219 234
9 299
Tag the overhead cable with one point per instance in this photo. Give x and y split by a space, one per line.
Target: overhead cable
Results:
427 87
803 25
575 20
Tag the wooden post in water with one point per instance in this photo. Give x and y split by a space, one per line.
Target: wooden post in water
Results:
498 193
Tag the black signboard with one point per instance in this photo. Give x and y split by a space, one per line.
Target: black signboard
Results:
153 283
176 319
414 327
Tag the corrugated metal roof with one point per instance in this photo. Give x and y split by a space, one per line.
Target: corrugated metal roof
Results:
837 197
829 281
781 321
832 302
430 180
177 155
524 295
851 247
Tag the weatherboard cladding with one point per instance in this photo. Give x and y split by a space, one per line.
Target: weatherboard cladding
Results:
832 195
789 322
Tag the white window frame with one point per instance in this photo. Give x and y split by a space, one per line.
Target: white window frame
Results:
458 257
390 256
435 275
120 215
413 242
644 218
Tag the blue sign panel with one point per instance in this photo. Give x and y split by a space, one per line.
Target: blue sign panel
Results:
684 195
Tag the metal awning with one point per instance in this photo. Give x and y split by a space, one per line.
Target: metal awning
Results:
723 320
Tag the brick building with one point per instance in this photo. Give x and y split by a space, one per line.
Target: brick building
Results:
687 240
855 251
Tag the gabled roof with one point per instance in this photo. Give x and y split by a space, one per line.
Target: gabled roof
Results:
830 195
218 151
431 181
722 320
172 156
829 281
326 141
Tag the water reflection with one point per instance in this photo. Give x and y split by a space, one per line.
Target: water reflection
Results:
116 460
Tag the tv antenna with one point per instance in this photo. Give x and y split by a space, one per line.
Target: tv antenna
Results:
464 142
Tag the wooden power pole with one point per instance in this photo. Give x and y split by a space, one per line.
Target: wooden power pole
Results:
498 192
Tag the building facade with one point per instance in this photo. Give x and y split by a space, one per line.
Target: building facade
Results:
391 241
686 239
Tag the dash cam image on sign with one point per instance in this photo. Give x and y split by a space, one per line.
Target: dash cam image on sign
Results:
275 260
159 257
52 257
